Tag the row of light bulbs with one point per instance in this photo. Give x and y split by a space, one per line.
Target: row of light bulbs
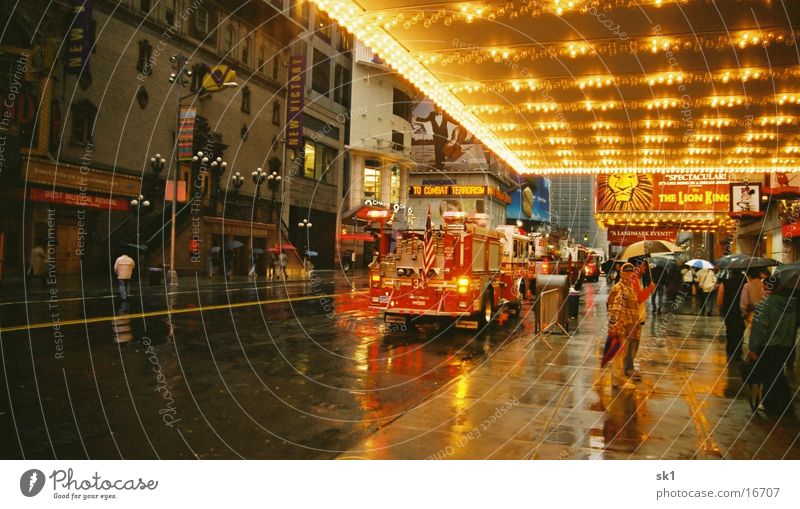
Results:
471 12
350 16
663 103
662 123
569 166
609 47
583 83
661 139
665 152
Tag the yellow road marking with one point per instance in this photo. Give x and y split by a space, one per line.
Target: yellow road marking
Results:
163 312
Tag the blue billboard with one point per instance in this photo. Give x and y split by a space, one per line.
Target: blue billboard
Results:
531 201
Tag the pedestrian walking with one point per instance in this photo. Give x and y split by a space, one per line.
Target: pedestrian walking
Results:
252 274
353 260
38 263
706 282
658 276
641 269
687 279
283 261
270 266
123 268
213 262
728 299
771 340
623 319
752 293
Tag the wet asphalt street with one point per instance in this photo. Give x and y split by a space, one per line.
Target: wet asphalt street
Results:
306 370
302 370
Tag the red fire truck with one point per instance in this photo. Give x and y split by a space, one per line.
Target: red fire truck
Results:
476 271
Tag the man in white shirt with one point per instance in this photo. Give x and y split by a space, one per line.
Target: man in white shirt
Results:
123 268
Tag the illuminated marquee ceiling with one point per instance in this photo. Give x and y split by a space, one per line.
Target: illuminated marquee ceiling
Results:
586 86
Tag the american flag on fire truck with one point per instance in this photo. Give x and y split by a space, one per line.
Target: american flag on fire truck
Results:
429 251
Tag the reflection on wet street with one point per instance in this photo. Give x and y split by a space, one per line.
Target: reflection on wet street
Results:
298 371
276 372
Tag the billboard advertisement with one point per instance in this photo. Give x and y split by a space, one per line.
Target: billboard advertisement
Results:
531 202
440 143
668 192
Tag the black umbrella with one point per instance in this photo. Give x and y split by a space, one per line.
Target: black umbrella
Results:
663 262
788 275
233 244
743 261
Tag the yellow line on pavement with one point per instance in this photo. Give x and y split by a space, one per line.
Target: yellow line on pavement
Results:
163 312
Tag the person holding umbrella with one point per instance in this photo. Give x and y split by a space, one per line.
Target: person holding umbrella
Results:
623 320
771 340
752 293
728 299
706 282
643 285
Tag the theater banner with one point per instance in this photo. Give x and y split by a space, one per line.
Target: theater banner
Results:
624 236
668 192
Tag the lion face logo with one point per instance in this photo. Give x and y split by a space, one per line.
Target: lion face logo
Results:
623 185
623 192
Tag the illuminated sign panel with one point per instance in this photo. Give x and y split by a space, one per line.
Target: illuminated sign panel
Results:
463 190
673 192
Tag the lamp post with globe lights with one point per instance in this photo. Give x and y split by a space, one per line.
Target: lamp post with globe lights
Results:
274 183
157 166
137 205
305 227
258 176
237 181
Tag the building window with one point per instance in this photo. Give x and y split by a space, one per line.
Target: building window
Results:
398 141
276 113
276 67
144 5
245 99
372 180
402 105
345 42
299 12
262 59
170 14
227 41
143 61
83 115
341 91
324 27
246 52
201 20
394 184
321 77
318 161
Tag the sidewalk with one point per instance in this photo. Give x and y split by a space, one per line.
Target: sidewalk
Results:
530 402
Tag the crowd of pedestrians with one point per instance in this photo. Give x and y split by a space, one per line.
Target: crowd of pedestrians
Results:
761 320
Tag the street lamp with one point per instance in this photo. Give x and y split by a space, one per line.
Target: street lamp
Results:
137 204
306 229
180 76
274 183
218 167
258 176
237 180
157 165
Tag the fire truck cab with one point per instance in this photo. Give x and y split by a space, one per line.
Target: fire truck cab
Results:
476 271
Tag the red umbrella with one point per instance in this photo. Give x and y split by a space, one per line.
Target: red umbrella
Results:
610 349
